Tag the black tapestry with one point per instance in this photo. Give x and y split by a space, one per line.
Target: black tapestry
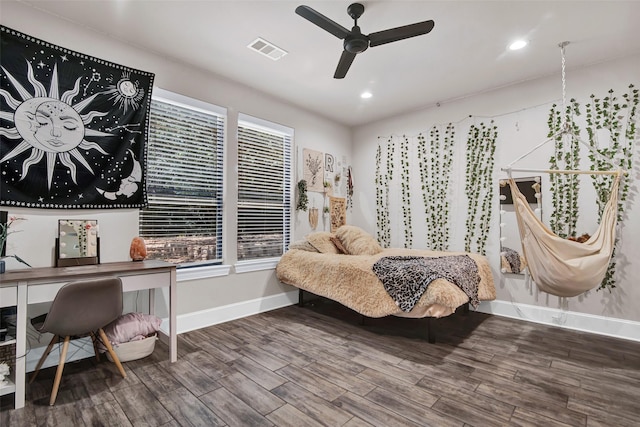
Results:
73 128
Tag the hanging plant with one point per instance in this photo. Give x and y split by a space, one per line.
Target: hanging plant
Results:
303 200
405 183
384 173
435 163
608 114
564 187
349 188
481 146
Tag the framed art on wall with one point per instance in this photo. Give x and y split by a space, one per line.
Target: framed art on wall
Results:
313 169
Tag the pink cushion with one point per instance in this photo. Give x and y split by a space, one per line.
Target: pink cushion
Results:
131 326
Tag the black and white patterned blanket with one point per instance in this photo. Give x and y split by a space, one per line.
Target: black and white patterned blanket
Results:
513 258
406 278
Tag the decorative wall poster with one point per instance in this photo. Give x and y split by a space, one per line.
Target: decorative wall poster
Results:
313 169
329 163
338 211
73 128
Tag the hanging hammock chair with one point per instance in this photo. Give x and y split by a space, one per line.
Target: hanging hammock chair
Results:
564 267
559 266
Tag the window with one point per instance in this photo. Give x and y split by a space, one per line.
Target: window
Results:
264 188
183 221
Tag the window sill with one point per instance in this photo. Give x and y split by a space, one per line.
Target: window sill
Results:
256 265
195 273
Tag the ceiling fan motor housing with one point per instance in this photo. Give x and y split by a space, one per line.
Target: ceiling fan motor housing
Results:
355 10
356 42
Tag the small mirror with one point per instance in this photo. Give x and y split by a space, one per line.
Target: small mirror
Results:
511 257
77 243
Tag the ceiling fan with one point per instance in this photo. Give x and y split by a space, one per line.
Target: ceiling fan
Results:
354 41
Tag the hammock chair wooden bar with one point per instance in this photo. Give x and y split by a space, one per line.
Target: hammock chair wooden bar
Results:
565 171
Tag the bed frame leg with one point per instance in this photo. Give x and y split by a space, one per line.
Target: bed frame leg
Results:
431 334
300 298
465 309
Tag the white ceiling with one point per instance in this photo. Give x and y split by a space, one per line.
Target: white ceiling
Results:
466 53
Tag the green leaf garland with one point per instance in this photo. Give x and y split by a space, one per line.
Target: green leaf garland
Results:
481 147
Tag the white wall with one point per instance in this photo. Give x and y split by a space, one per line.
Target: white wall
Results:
35 242
520 112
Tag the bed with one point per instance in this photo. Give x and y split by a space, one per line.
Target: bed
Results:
345 267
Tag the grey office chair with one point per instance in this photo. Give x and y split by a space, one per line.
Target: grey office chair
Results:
79 309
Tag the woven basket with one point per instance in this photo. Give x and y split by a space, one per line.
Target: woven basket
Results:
134 350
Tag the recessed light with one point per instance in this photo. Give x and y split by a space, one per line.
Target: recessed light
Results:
366 95
517 45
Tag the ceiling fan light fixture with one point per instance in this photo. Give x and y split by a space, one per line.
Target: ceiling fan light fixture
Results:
518 44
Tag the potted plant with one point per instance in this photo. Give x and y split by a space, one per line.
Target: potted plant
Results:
4 233
303 200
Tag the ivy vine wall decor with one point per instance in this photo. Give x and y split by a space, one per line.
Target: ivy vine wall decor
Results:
405 184
435 159
406 166
384 173
481 148
564 187
611 126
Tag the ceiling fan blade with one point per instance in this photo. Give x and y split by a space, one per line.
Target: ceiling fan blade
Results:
343 66
322 21
400 33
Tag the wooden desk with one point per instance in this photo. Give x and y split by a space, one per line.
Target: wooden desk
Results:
29 286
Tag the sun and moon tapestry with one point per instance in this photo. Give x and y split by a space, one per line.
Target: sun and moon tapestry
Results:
73 128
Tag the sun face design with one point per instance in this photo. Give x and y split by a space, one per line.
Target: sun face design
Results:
126 93
50 125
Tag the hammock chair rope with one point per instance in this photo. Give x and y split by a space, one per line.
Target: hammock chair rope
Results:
565 129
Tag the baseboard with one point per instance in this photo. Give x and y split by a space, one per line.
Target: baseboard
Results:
202 319
601 325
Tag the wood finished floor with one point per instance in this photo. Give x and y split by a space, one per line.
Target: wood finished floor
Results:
318 365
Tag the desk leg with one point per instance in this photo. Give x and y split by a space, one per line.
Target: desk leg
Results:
21 346
173 324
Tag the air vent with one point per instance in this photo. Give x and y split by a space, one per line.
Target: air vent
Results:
267 49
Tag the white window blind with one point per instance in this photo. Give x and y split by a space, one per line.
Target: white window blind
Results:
183 221
264 188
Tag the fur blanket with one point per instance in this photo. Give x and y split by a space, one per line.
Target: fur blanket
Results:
351 281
